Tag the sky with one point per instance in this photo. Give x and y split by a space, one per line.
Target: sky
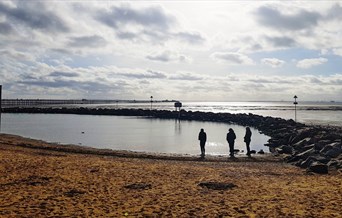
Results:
181 50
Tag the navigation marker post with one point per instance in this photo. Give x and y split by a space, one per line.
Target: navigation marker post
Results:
151 101
295 104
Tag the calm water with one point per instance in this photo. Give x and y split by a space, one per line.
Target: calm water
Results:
128 133
326 113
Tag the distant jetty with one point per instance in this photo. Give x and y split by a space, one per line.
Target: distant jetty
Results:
47 102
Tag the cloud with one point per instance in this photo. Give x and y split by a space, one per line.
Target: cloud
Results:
281 41
34 15
152 17
273 62
168 56
16 55
6 29
144 75
308 63
232 58
87 41
151 24
63 74
300 20
337 51
193 38
186 76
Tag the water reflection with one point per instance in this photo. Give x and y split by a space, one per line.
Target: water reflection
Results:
129 133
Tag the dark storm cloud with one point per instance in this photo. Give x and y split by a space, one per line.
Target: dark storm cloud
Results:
63 74
34 15
6 29
87 41
301 20
281 41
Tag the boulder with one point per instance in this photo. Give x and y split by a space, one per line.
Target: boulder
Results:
285 149
301 143
306 147
326 149
306 163
334 152
261 151
306 154
318 167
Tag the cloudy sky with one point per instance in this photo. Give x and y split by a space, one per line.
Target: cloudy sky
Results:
203 51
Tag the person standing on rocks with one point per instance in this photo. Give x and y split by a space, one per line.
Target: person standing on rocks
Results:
247 139
231 140
202 137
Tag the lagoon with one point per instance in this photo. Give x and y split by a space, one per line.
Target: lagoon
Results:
140 134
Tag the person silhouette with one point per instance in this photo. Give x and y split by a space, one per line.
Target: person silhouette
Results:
247 139
231 140
202 137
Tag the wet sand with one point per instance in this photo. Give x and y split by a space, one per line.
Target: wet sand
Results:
39 179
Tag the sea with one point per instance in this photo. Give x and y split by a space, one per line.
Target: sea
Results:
144 134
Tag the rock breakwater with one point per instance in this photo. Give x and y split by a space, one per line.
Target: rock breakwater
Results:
315 148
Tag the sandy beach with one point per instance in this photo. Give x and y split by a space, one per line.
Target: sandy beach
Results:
38 179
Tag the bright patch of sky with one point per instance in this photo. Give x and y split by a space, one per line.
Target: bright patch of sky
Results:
184 50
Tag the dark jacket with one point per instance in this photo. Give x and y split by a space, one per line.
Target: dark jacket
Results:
231 136
202 136
248 136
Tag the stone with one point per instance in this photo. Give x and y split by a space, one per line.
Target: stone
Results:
261 151
285 149
217 185
334 152
306 163
326 149
318 167
138 186
306 154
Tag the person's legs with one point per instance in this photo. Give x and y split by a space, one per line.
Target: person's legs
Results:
202 144
231 149
248 149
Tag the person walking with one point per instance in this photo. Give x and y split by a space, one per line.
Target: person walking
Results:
231 140
247 139
202 137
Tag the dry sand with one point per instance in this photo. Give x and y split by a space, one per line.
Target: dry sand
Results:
36 182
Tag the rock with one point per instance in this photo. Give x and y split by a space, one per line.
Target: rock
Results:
306 154
261 151
306 163
285 149
334 152
311 159
302 142
292 159
307 147
74 192
326 149
138 186
333 163
318 167
217 185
